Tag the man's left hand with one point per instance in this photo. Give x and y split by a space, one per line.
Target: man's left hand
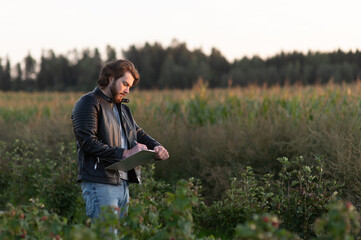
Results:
162 153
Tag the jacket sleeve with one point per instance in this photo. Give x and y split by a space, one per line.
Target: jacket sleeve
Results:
144 138
85 126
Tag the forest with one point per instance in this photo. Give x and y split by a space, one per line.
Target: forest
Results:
178 67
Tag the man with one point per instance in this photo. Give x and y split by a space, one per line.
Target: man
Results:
106 132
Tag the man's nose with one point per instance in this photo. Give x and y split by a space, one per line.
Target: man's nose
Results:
127 90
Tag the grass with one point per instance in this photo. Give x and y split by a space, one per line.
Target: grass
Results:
214 134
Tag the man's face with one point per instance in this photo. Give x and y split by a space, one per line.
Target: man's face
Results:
119 88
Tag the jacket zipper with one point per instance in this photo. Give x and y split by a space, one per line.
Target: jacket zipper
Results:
96 163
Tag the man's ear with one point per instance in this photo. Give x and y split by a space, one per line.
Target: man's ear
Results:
111 79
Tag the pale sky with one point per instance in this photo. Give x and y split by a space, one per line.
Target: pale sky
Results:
237 28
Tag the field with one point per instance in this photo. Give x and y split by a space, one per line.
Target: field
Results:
287 151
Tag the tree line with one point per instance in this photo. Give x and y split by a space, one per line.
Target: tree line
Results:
176 66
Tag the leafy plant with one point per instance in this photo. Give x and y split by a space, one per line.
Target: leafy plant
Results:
263 227
303 194
298 196
31 222
341 222
247 196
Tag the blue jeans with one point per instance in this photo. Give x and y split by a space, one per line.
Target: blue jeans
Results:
98 195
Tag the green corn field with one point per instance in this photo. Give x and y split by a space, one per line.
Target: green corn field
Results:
211 134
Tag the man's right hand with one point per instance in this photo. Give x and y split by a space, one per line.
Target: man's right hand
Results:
137 148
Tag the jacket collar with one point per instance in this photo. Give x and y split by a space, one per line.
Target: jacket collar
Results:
99 92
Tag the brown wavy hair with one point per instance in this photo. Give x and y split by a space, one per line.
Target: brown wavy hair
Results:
117 69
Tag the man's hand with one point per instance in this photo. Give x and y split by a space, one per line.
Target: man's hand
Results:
162 153
137 148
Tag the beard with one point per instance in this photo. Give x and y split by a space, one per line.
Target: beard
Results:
116 96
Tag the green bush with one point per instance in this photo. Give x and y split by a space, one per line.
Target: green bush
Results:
264 227
302 195
247 196
143 221
298 195
341 222
171 217
31 222
28 172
